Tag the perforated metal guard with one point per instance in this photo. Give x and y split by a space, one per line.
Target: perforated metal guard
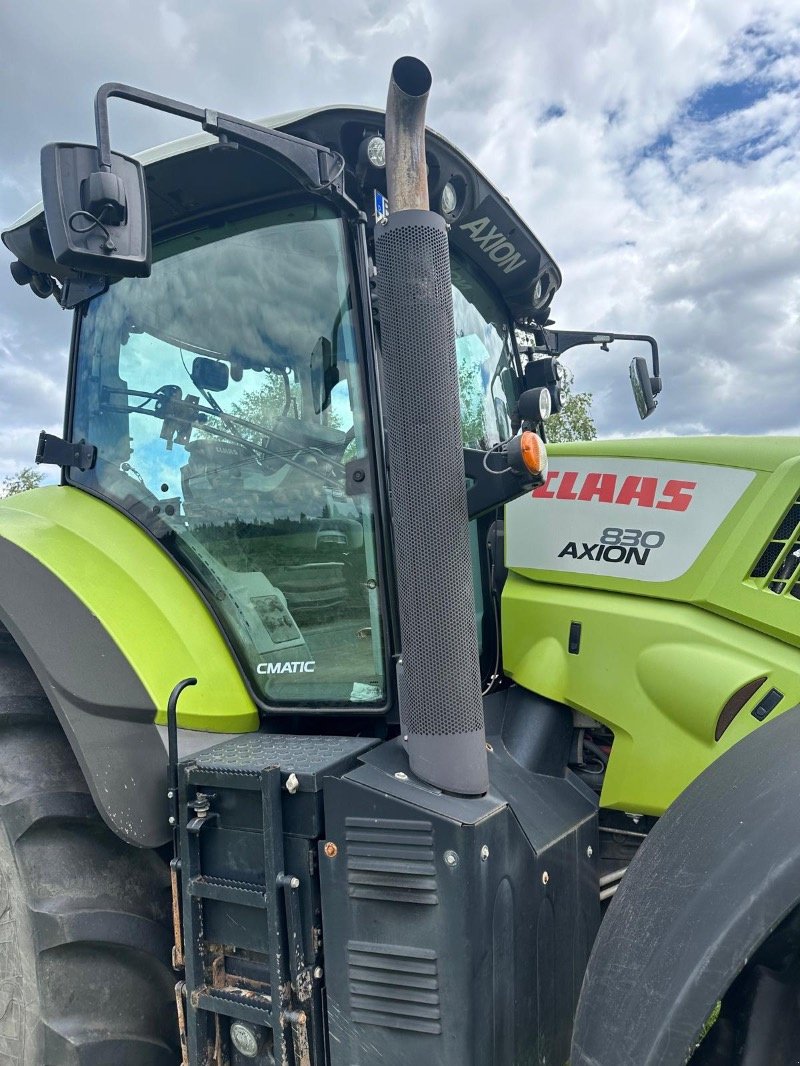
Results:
309 758
441 670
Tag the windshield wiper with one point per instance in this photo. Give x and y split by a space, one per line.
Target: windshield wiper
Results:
192 410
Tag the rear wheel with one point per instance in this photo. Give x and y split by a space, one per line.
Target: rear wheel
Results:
758 1018
84 919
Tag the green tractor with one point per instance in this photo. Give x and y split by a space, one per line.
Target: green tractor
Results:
338 724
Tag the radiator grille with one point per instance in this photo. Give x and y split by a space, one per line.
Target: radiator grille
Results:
395 987
777 569
391 860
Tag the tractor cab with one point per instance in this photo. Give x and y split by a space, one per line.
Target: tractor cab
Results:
229 390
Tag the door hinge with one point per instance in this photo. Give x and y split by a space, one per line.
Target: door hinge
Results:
53 451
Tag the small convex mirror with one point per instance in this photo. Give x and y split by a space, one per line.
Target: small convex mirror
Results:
97 220
642 388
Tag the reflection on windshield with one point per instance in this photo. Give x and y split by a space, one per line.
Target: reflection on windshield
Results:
224 399
483 351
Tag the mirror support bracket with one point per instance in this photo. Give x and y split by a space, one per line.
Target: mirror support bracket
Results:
54 451
558 341
314 167
489 491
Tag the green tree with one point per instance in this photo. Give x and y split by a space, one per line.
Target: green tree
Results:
471 395
574 421
263 405
24 479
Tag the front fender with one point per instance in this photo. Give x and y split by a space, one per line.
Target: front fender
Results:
717 873
109 624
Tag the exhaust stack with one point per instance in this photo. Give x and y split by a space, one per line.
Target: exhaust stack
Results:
441 706
406 172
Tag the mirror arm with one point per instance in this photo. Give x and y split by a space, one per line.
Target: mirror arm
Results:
558 341
313 166
136 96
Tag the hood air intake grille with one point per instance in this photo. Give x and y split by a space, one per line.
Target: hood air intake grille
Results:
777 568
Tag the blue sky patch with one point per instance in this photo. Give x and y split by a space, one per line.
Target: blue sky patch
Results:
554 111
721 99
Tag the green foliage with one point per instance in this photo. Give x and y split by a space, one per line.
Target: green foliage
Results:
266 403
471 393
263 405
24 479
575 421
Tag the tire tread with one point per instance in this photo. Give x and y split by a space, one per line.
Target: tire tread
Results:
98 909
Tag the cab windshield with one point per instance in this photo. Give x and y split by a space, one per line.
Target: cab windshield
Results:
224 396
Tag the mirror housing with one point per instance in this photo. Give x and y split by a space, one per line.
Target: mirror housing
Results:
210 375
642 387
98 221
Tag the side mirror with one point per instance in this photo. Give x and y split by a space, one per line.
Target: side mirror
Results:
554 342
210 375
642 386
97 219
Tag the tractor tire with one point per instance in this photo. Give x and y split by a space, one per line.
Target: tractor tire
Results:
85 935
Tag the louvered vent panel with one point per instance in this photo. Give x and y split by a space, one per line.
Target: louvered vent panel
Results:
777 569
391 860
395 987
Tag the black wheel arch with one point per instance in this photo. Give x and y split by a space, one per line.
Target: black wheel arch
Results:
105 711
716 875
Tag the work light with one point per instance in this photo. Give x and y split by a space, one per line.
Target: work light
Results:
376 151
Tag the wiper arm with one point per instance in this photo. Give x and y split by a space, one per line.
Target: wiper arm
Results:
222 434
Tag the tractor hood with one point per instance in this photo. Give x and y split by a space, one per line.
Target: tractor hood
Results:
195 176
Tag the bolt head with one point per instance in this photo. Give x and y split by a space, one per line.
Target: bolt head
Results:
484 853
545 877
401 776
589 852
318 972
451 859
245 1039
294 882
330 849
171 794
171 820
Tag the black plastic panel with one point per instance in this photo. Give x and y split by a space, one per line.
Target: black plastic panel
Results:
471 946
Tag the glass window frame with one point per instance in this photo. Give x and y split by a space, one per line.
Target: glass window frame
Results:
356 275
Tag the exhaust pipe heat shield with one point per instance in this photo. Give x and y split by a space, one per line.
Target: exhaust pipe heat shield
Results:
440 685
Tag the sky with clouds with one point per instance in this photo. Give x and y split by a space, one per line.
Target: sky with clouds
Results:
653 145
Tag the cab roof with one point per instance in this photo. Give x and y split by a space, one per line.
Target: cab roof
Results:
194 177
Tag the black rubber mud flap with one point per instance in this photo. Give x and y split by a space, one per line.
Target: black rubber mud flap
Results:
716 875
